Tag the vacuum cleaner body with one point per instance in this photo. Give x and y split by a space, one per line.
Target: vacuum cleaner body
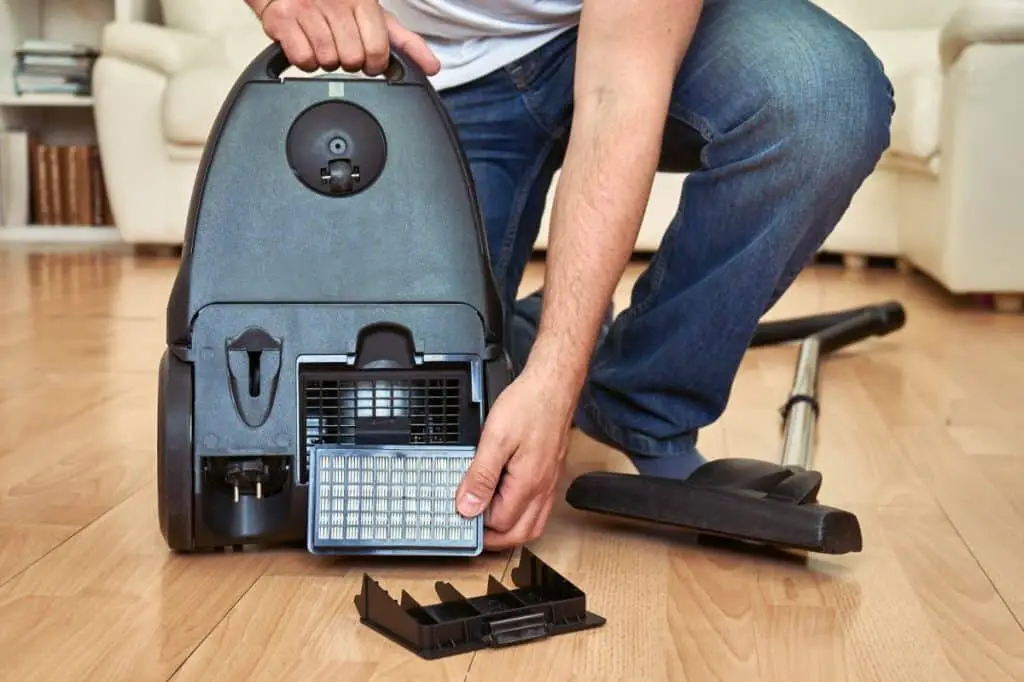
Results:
334 335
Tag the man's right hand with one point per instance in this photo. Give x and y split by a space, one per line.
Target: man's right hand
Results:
355 35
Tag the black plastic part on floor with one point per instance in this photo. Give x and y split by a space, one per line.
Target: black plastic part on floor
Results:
543 604
748 500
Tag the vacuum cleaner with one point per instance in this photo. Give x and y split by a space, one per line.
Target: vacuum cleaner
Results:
335 342
757 501
334 335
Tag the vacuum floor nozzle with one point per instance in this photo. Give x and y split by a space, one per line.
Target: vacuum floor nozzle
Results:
747 514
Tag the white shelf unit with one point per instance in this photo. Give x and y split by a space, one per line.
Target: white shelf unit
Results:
56 119
62 234
9 100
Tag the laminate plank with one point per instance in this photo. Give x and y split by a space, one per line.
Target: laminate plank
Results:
978 634
112 604
987 523
294 627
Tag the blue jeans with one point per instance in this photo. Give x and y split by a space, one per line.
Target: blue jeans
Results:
779 111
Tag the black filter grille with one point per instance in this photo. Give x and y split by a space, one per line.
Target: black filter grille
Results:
336 408
343 406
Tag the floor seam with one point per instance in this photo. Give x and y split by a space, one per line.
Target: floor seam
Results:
73 535
941 506
981 567
213 628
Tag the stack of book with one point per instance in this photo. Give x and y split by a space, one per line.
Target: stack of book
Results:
46 67
51 185
67 186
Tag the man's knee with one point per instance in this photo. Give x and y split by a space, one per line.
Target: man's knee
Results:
832 104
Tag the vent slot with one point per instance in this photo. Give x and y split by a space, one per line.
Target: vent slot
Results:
344 406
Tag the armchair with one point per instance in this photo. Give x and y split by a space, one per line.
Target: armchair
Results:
157 89
963 224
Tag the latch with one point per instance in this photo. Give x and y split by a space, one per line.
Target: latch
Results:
254 365
517 629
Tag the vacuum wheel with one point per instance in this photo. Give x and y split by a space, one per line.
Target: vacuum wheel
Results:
174 453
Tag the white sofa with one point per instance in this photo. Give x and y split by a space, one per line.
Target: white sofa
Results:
943 197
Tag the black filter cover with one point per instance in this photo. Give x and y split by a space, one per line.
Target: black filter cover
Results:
543 604
333 189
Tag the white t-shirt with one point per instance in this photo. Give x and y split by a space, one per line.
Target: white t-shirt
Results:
471 38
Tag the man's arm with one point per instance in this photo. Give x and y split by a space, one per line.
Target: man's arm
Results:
627 57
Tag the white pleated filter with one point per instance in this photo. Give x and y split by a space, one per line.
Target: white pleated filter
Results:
390 499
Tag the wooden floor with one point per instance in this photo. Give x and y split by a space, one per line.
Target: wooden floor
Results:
921 435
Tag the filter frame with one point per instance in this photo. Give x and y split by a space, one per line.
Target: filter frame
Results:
465 451
411 457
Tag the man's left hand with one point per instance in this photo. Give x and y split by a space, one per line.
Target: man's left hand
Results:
519 459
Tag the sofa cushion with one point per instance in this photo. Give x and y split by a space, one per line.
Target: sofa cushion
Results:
192 101
911 60
208 17
194 97
867 15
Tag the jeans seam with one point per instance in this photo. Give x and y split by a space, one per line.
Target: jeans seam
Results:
660 263
525 89
516 212
631 442
605 429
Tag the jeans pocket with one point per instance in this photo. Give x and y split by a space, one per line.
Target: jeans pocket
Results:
535 69
544 79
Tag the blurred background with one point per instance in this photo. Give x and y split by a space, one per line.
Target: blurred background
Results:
105 106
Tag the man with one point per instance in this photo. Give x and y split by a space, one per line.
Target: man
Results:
780 111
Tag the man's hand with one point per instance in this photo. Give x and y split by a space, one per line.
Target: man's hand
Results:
519 459
355 35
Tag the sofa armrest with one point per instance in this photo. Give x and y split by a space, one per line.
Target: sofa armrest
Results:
979 174
991 22
165 50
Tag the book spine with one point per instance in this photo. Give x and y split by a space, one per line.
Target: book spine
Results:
71 185
56 174
42 206
84 211
98 190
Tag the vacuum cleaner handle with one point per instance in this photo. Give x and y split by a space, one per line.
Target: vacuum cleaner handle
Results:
272 62
878 320
798 328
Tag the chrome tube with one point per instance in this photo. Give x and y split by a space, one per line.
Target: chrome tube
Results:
800 416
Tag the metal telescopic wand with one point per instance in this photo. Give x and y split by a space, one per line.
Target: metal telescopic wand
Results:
819 336
800 415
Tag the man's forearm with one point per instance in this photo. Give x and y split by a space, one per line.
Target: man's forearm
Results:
598 206
625 71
